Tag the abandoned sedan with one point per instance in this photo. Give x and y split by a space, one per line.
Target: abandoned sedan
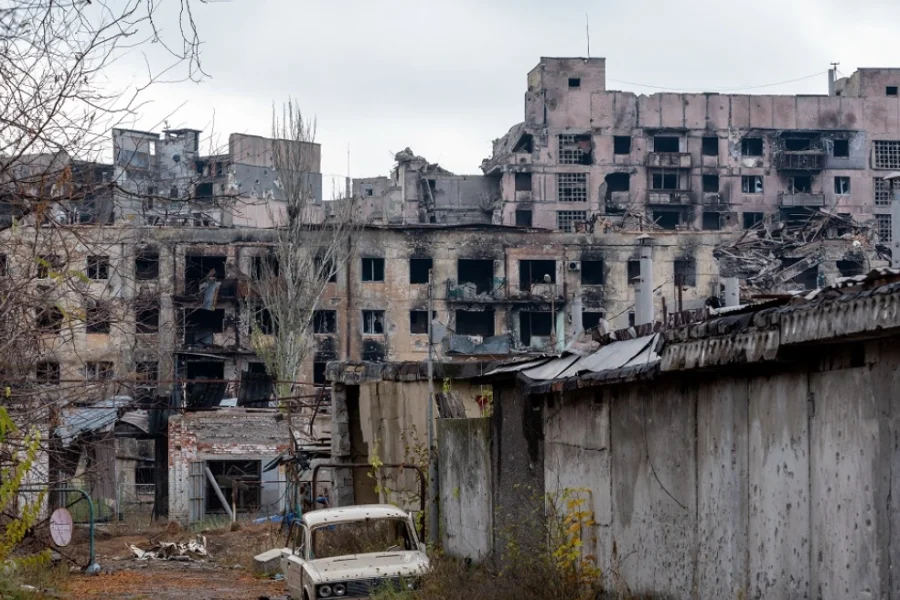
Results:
351 551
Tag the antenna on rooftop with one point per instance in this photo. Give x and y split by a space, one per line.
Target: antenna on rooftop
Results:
587 31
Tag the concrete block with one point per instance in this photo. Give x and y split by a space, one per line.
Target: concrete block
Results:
267 562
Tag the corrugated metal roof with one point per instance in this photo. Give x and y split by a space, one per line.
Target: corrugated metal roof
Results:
75 420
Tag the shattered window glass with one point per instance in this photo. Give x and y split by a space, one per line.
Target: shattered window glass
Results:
883 223
575 149
882 192
566 219
752 184
373 322
887 154
572 187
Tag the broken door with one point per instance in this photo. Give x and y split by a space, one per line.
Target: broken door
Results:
196 492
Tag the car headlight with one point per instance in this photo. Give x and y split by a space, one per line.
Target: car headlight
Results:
324 591
340 589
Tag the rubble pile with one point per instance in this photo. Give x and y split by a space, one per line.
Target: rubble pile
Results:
190 551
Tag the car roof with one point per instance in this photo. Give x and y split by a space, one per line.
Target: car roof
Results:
353 513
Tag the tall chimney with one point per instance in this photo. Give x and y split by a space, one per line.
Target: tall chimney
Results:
643 305
732 291
577 321
831 86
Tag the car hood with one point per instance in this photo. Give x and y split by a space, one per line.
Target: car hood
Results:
368 566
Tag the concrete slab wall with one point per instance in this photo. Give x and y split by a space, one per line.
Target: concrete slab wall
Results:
465 493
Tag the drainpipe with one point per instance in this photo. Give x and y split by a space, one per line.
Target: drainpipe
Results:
732 291
577 322
643 312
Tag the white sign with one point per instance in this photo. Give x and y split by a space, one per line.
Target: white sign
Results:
61 527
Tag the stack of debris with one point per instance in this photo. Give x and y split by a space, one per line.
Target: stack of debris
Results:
771 253
190 551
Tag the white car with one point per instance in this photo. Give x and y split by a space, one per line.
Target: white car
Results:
350 551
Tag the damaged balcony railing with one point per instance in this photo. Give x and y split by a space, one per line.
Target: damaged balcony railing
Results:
474 291
225 289
805 160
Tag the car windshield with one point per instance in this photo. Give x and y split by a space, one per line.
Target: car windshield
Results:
364 536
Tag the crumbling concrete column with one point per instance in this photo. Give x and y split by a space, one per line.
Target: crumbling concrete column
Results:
341 479
643 305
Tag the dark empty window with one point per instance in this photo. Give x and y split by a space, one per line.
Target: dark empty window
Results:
752 218
50 319
48 265
850 268
841 186
841 148
325 268
751 184
97 318
685 272
475 322
592 272
476 271
525 145
618 182
147 372
4 265
418 321
523 182
797 144
664 181
325 321
534 324
622 144
665 143
800 184
146 265
373 269
634 271
891 90
536 271
319 373
710 146
667 219
264 322
418 269
752 147
99 371
711 221
574 82
710 183
265 266
98 267
47 372
590 319
373 322
146 317
523 218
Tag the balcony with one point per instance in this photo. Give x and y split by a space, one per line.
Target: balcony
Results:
669 198
473 345
806 160
714 199
228 289
803 199
482 291
669 160
524 196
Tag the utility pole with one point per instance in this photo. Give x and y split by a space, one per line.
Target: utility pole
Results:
432 451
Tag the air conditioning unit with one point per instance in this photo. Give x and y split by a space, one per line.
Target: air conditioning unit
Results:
574 266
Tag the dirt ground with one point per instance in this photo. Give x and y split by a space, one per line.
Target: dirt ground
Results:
226 575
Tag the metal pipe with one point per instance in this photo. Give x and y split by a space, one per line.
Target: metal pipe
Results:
218 491
432 451
644 300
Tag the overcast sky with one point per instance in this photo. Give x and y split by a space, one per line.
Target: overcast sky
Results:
445 78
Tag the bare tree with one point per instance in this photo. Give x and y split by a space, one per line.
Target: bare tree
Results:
313 242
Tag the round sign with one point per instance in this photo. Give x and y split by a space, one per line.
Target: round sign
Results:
61 527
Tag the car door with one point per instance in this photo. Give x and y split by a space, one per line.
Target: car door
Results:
294 561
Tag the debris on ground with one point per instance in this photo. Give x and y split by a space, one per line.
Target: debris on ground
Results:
193 550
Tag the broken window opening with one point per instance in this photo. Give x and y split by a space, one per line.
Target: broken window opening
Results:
147 372
4 265
752 146
240 483
418 321
752 184
799 184
264 322
419 269
203 191
851 268
890 90
667 219
98 267
622 144
798 144
50 320
325 267
883 193
373 322
592 272
571 187
575 149
47 372
265 266
97 317
883 226
533 272
841 149
841 186
574 82
173 192
525 144
534 324
49 264
147 318
685 272
202 268
475 322
479 272
752 218
665 143
319 370
146 265
523 218
618 182
887 154
523 182
591 318
373 269
200 326
99 371
808 279
710 183
567 220
664 181
634 271
711 221
710 146
325 321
